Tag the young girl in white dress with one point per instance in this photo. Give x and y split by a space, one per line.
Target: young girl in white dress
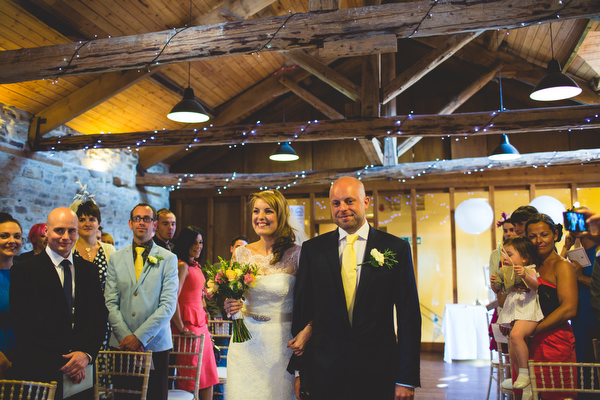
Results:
256 369
521 309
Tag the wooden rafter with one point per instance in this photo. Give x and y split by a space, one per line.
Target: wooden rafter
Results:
406 172
466 124
308 30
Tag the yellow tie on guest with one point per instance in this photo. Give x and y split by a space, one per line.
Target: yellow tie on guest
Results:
349 267
139 262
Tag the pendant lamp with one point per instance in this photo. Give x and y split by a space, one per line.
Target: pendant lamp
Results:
188 110
505 151
284 152
555 85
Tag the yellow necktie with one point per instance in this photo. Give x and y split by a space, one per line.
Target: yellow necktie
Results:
349 273
139 262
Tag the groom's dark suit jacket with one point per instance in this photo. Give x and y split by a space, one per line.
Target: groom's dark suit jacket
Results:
365 360
40 319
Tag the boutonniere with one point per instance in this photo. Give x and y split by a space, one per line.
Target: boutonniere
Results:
378 259
153 260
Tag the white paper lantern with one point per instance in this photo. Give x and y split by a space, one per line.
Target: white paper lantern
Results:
474 216
550 206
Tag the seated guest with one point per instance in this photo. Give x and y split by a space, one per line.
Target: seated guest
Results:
57 309
10 245
37 238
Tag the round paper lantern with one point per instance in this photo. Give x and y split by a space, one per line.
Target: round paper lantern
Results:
474 216
550 206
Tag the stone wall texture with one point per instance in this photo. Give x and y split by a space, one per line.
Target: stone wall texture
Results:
32 184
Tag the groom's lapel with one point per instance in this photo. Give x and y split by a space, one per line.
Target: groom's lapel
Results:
366 272
333 261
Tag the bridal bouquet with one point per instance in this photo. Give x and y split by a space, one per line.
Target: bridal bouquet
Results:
231 280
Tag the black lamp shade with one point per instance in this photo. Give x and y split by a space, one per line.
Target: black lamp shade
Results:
555 85
284 152
188 110
505 151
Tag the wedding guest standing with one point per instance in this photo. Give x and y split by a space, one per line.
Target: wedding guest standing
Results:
141 295
10 245
190 315
354 352
56 308
165 229
37 238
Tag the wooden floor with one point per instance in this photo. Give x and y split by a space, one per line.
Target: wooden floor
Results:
460 380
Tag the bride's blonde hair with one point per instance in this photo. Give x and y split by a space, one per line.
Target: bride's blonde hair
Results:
284 233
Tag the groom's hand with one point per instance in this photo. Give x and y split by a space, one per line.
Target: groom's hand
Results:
404 393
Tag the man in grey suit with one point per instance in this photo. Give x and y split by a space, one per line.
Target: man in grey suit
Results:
141 295
351 300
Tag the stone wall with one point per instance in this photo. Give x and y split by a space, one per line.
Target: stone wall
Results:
32 184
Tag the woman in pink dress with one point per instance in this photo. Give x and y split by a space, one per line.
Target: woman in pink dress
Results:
190 316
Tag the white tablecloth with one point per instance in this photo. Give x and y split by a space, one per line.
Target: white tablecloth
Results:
465 332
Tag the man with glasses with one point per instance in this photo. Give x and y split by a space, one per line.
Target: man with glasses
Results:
141 294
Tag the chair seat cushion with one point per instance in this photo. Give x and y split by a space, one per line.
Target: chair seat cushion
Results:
177 394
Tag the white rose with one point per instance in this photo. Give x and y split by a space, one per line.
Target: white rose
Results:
377 256
152 260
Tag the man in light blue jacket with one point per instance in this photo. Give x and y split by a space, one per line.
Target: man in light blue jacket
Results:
141 295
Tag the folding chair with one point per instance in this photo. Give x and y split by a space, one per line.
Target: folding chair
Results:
25 390
221 330
560 377
186 348
130 366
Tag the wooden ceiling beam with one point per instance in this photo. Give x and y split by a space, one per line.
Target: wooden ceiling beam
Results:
454 104
311 99
85 98
466 124
432 171
239 9
426 64
307 30
328 75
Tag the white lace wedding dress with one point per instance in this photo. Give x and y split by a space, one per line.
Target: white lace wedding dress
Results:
256 369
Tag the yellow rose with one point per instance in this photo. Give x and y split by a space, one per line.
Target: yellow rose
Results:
230 274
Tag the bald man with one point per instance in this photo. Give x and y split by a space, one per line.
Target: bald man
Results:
56 334
354 352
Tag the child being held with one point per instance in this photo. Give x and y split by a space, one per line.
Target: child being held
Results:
521 309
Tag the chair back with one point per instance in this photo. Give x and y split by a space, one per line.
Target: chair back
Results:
182 367
122 372
562 377
221 330
26 390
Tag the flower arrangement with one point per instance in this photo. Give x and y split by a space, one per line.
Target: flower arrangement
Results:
153 260
231 280
378 259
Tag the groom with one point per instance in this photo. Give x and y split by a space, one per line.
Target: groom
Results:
354 352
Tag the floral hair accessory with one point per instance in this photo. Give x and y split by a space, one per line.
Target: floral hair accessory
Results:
502 220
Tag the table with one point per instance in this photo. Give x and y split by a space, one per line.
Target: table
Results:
465 330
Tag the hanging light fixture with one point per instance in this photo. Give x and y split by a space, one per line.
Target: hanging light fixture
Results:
284 152
555 85
188 110
505 151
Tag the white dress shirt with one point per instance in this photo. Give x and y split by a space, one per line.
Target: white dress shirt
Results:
56 260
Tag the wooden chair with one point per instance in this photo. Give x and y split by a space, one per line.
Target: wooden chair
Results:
557 377
25 390
191 346
114 366
221 329
502 365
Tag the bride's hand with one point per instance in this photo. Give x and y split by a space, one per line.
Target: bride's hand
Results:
232 306
298 344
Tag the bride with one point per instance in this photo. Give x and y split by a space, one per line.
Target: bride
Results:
256 369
